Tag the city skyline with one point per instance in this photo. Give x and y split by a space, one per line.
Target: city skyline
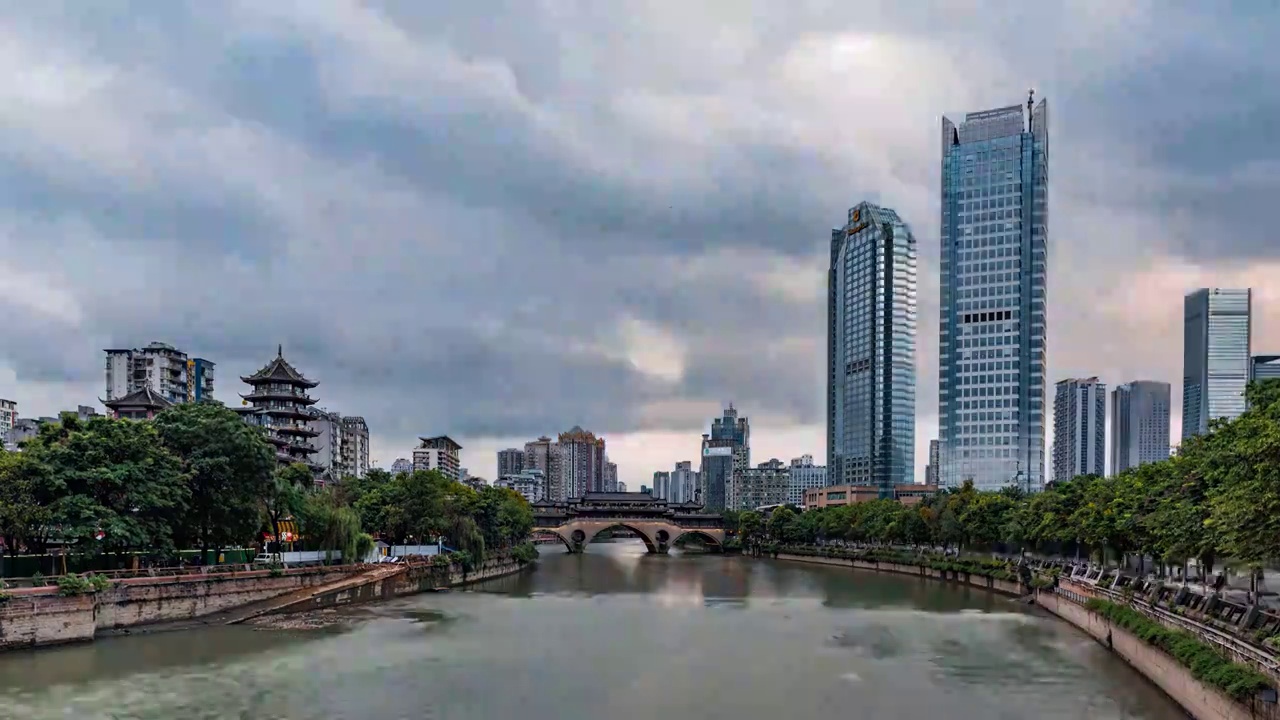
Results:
687 268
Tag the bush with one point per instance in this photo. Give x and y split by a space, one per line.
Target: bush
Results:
1205 662
37 579
524 553
69 585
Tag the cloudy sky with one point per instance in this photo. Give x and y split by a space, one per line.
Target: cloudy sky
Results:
505 218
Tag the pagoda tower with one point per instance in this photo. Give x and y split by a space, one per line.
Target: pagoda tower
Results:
279 404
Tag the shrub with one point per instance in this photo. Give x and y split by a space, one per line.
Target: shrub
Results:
37 579
99 582
524 553
69 585
1204 661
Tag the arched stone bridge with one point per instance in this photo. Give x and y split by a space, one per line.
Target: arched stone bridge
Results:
577 521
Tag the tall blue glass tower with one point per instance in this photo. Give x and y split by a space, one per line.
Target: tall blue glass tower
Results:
993 321
871 351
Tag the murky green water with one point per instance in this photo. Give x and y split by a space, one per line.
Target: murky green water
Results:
614 634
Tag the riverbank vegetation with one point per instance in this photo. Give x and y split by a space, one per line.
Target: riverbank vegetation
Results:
198 477
1206 663
1218 497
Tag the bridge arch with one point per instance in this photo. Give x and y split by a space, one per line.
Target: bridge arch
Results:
650 543
707 537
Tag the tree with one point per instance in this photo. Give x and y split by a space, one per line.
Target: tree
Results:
24 502
329 524
283 497
112 477
228 466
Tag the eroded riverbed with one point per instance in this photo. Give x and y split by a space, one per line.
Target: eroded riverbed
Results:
613 633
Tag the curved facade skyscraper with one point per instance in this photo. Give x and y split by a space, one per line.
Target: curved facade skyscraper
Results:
993 316
871 351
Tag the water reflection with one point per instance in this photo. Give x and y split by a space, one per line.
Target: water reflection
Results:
614 633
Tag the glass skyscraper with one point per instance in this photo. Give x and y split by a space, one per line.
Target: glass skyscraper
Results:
1139 424
1216 362
871 351
993 321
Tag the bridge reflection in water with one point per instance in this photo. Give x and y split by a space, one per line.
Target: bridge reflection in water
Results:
658 523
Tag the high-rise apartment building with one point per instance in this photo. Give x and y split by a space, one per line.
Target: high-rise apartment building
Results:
328 444
993 320
1139 424
760 486
355 446
661 485
737 430
1216 361
581 462
804 475
1079 428
1266 367
8 417
871 350
543 454
162 367
683 483
441 453
511 462
610 475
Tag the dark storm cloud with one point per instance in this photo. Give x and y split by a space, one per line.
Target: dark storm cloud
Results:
447 212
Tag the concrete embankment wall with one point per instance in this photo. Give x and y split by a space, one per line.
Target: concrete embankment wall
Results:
1004 587
1201 701
414 580
40 616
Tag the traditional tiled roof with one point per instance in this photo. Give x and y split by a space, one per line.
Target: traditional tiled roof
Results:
631 496
144 398
279 370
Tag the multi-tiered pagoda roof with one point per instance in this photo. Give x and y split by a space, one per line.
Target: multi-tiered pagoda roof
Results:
279 403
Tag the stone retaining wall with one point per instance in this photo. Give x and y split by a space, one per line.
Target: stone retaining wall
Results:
1200 700
414 580
40 616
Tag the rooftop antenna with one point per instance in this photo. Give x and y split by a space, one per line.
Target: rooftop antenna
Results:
1031 99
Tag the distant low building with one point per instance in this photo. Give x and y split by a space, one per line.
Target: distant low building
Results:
836 495
401 465
765 484
530 483
8 416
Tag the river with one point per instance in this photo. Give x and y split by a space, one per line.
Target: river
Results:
613 633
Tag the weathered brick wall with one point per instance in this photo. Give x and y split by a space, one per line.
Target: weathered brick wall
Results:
42 617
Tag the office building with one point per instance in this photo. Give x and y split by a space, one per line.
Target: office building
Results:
511 462
716 473
931 470
734 430
1266 367
162 367
837 495
993 322
804 476
441 453
871 350
1079 428
1216 359
1140 419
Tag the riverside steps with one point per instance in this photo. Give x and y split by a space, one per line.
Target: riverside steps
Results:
1216 685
